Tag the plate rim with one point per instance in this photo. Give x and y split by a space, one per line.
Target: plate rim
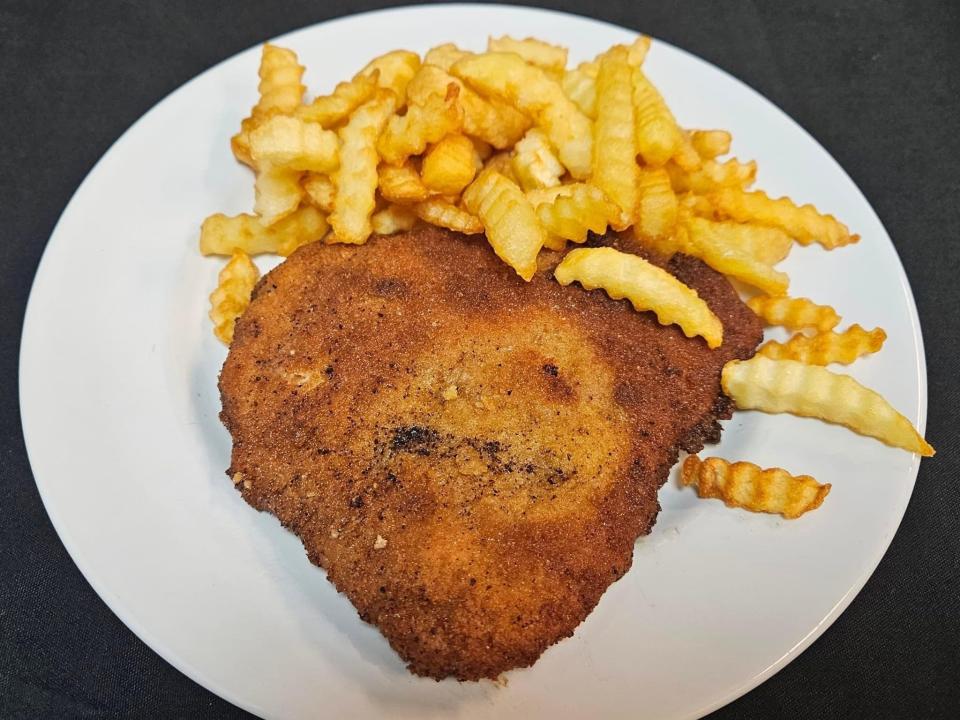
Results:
149 638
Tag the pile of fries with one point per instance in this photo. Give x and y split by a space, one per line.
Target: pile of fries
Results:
513 144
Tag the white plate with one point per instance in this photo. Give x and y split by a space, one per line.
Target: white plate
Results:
119 401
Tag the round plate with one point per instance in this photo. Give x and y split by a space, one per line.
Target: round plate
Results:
118 385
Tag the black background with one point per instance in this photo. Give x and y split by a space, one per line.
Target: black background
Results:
876 83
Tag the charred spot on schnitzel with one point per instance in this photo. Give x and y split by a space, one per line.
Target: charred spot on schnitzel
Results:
470 457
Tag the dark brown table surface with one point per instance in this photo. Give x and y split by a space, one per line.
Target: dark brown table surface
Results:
877 83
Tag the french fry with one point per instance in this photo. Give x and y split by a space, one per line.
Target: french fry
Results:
711 176
827 347
393 71
788 386
658 208
222 235
409 134
708 241
538 196
534 93
767 245
232 296
289 142
510 221
580 85
502 162
803 222
320 191
356 178
393 219
615 169
277 193
794 313
748 486
551 58
280 92
444 56
444 214
697 205
492 121
450 165
534 163
571 215
401 183
330 110
659 138
646 286
710 144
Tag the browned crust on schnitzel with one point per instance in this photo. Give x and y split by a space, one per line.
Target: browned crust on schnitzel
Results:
470 457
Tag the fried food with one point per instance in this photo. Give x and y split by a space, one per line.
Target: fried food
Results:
531 91
545 56
232 296
320 191
535 165
788 386
711 175
409 134
748 486
446 215
794 313
223 235
659 138
294 144
645 285
575 210
657 212
521 493
827 347
615 169
401 183
450 165
329 110
393 71
277 193
393 219
710 144
356 179
509 219
803 222
707 240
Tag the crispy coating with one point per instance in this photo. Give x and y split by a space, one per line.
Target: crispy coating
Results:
470 457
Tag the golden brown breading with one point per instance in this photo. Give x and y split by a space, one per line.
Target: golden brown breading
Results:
469 456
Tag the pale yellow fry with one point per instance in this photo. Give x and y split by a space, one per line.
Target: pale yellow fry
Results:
551 58
794 313
535 164
646 286
708 241
710 144
277 193
330 110
768 245
788 386
502 162
580 85
393 71
492 121
658 208
580 209
509 219
803 222
538 196
827 347
534 93
320 191
450 165
748 486
292 143
232 296
222 235
409 134
615 169
697 205
393 219
401 183
444 214
356 179
444 56
280 92
711 176
659 138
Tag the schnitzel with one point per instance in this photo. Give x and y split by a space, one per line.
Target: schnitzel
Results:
470 457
